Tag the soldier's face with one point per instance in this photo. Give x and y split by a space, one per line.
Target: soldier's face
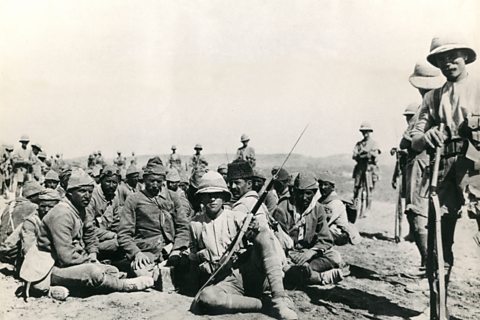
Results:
172 185
51 184
280 186
304 197
366 134
80 197
213 203
239 187
44 206
325 187
153 183
257 184
109 185
132 179
452 63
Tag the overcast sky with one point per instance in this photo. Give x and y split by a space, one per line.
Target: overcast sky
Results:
79 76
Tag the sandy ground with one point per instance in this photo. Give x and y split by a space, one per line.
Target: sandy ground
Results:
374 290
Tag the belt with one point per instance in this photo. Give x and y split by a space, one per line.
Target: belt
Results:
454 148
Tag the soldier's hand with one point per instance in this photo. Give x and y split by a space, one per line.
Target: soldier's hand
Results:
141 261
434 137
476 238
301 258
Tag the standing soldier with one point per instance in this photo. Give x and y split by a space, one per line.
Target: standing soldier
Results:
133 160
365 154
174 160
424 78
120 161
22 159
37 164
198 160
456 105
245 152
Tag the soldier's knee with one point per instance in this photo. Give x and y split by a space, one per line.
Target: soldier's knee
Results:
95 274
212 297
334 257
264 238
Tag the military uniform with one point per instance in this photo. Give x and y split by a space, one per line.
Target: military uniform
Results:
148 224
457 105
365 154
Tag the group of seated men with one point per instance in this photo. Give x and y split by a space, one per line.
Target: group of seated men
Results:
116 235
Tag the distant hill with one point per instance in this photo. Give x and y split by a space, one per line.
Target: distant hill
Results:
340 166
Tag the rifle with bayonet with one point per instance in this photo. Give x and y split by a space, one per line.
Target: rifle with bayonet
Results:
225 259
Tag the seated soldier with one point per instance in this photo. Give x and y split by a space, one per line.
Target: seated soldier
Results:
258 184
173 184
304 219
103 211
51 180
73 245
13 217
341 230
131 184
153 225
31 226
31 230
212 231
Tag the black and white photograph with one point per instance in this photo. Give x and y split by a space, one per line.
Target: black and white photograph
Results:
257 159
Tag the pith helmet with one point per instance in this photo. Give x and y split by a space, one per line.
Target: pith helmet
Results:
198 146
244 138
174 147
365 126
42 155
37 145
425 76
411 109
449 43
24 138
213 182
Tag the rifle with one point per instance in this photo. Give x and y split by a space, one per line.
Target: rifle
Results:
399 208
440 302
236 242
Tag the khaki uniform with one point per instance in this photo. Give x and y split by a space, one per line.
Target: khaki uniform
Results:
365 153
248 154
